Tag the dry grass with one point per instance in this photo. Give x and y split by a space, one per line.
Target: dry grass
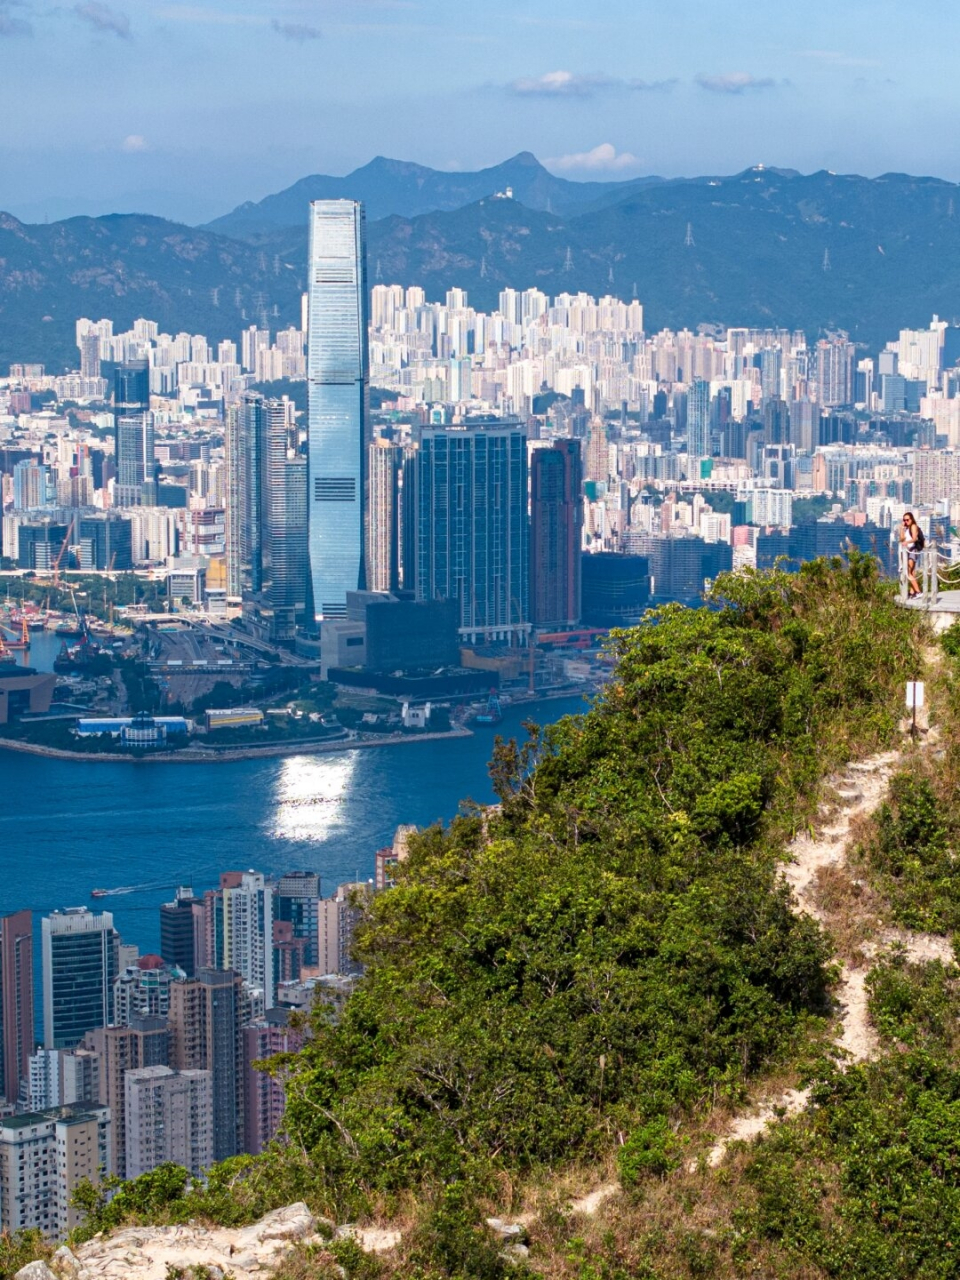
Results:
853 913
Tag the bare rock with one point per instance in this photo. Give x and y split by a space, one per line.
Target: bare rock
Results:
65 1264
35 1271
515 1254
295 1222
505 1230
370 1239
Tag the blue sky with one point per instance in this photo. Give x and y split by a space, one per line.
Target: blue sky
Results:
187 107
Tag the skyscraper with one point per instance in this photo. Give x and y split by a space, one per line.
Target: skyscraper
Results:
337 365
134 439
264 1094
472 528
44 1156
169 1119
698 419
266 524
205 1035
181 931
556 524
286 540
383 553
248 931
31 483
296 902
80 961
835 371
144 1043
16 1001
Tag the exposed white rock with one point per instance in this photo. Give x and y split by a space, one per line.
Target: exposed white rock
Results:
35 1271
152 1253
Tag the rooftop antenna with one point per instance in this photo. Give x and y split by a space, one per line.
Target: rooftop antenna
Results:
688 239
378 274
610 274
568 260
635 294
826 259
483 267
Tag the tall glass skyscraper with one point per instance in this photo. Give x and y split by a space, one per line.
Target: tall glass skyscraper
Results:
698 419
80 961
337 365
472 531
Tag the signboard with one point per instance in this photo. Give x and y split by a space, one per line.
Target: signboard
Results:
915 691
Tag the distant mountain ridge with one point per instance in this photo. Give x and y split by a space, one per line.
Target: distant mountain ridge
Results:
399 187
763 247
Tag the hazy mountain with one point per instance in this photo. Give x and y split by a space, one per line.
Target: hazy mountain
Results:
760 248
398 187
128 265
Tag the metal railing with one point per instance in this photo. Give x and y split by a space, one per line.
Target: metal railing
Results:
926 574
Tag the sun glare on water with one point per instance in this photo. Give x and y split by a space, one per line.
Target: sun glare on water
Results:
310 795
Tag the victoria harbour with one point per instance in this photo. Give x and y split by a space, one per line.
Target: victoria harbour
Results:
67 827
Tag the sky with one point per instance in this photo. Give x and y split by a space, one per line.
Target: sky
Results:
186 108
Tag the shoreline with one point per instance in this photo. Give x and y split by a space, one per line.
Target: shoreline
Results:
227 754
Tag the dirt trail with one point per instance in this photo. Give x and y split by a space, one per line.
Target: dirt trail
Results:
859 791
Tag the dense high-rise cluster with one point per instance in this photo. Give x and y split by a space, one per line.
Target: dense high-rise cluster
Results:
147 1059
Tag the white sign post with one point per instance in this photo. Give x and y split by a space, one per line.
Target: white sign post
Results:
915 694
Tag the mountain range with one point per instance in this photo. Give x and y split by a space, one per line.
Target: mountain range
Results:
764 247
398 187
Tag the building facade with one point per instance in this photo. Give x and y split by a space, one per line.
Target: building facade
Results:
169 1118
16 1002
337 372
206 1016
472 527
556 529
80 962
44 1156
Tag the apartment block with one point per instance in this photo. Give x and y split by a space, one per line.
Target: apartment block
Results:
44 1155
169 1118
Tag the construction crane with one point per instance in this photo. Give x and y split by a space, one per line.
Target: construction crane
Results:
60 554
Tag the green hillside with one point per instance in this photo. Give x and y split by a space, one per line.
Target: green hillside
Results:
587 983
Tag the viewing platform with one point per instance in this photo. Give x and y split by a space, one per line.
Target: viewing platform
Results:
940 602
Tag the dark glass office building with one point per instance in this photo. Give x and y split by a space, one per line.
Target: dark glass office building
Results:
616 589
472 530
556 524
80 960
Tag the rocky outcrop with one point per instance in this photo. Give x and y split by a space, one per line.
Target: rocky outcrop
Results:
158 1253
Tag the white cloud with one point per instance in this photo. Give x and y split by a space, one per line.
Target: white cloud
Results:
734 82
134 142
561 84
604 157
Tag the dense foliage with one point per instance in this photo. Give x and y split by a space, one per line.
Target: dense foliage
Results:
867 1184
612 946
608 953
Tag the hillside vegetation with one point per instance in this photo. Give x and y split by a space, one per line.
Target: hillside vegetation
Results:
569 986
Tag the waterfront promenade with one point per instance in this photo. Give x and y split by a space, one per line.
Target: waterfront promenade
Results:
215 755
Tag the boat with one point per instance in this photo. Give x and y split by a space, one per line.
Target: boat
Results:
99 893
493 713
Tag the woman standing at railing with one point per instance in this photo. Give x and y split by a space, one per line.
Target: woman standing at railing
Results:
912 539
